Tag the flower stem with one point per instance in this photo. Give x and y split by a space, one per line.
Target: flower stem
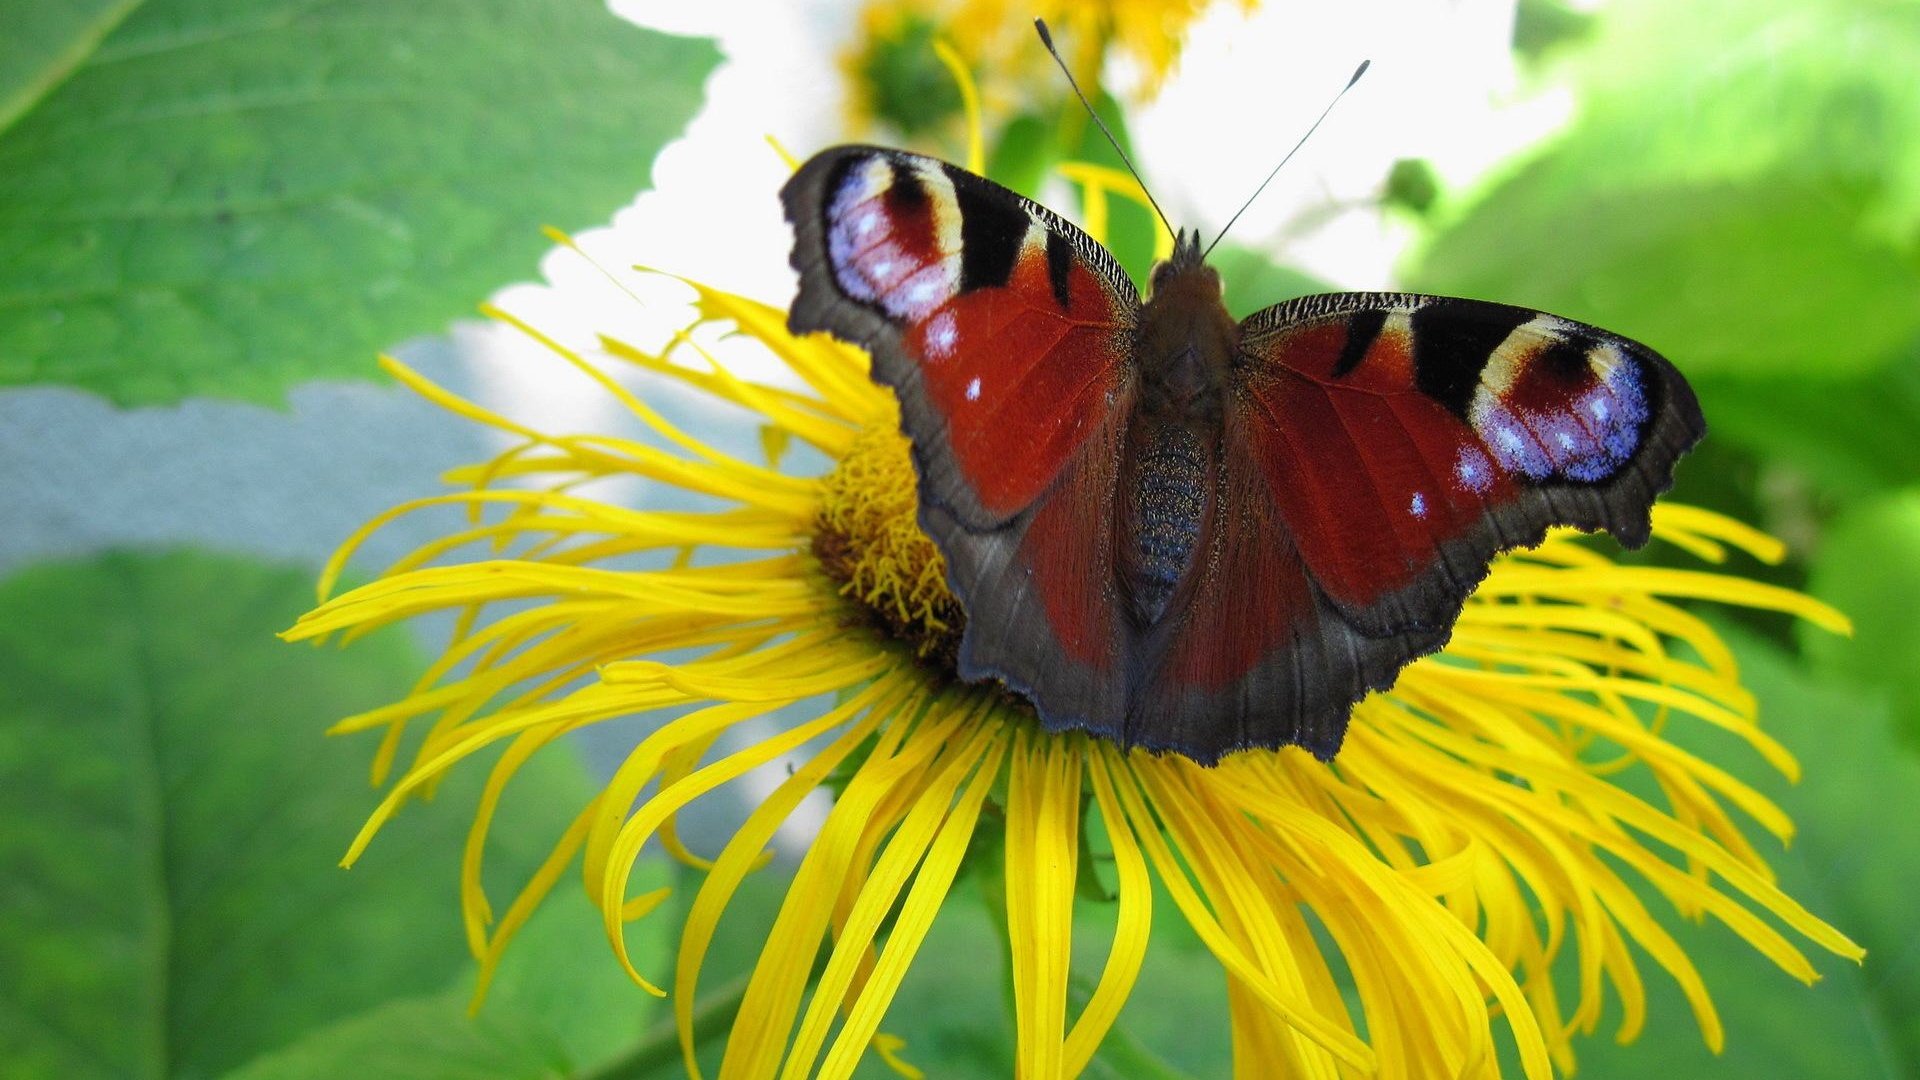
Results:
989 866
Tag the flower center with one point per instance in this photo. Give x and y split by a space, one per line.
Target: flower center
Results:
867 537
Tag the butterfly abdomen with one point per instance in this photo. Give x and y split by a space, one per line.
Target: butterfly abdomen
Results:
1186 344
1169 470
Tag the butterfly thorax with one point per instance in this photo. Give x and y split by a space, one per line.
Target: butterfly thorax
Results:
1186 344
1185 352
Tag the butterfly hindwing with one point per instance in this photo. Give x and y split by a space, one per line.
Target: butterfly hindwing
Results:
1005 332
1042 614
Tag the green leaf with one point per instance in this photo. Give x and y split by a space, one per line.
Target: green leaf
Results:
903 79
1869 567
429 1039
1748 89
1541 26
230 196
171 819
559 1005
1768 279
1738 190
560 982
1412 185
1253 281
1854 862
1852 436
42 44
1023 154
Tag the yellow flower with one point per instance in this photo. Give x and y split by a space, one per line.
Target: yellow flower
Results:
1470 838
1147 32
892 75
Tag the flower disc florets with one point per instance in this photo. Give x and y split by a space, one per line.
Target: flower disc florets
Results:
868 539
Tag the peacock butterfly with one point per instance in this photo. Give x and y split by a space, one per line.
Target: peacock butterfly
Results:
1184 533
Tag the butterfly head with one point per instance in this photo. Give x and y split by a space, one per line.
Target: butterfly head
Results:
1185 270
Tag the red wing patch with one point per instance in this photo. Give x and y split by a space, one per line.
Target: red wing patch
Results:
1022 378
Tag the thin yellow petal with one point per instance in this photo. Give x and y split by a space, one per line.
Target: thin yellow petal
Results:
930 884
767 1014
969 104
625 846
1133 924
1297 1014
904 852
740 856
1042 855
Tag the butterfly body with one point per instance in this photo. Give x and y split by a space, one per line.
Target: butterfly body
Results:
1195 534
1185 342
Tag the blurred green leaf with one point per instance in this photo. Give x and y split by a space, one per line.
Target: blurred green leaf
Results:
1869 567
903 80
1176 1017
558 1007
42 44
1747 90
1739 189
1853 436
1022 156
1253 281
171 819
1412 185
559 982
1771 279
1540 26
1854 862
426 1039
230 196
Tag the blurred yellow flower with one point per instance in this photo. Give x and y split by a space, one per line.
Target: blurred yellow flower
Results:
1375 915
893 77
1148 33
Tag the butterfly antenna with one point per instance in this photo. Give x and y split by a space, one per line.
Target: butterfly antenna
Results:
1047 40
1357 72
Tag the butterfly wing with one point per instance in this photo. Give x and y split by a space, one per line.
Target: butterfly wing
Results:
1392 444
1004 330
1407 439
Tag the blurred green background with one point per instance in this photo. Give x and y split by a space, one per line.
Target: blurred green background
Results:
219 199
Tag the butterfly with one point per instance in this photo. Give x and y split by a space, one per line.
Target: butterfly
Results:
1191 534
